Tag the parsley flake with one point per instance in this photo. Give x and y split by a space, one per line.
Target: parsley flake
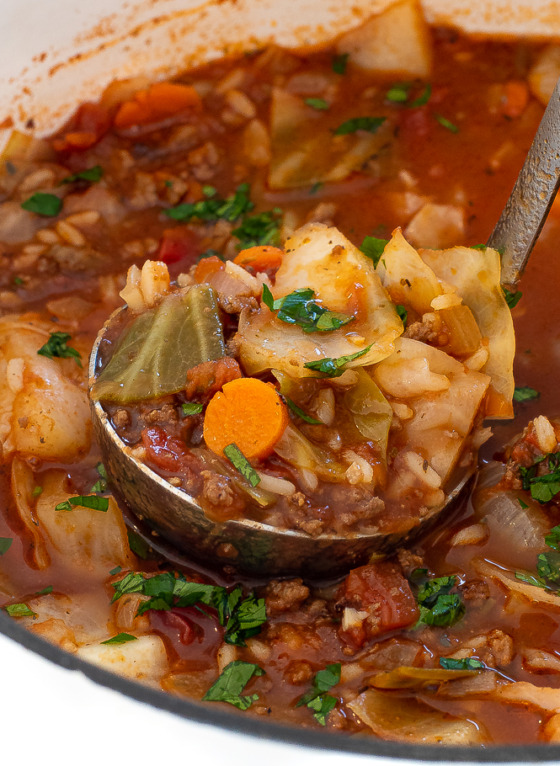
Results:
37 491
94 502
214 208
318 103
5 543
373 248
138 545
402 312
368 124
512 299
92 175
465 663
525 394
231 682
333 368
101 484
447 124
120 638
19 610
240 463
438 606
191 408
298 308
339 63
316 699
57 346
41 203
545 487
45 591
260 229
301 414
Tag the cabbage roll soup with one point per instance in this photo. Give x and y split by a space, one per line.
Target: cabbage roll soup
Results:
310 333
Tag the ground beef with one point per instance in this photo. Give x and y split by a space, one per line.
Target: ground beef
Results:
217 490
409 561
298 672
495 649
285 595
164 414
426 331
476 591
121 418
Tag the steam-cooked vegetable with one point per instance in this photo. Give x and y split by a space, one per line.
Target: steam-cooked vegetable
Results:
153 357
371 412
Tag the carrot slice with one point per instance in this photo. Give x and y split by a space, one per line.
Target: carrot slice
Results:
206 267
260 257
247 412
161 100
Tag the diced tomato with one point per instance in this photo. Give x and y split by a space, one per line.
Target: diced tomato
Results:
381 591
206 267
168 452
177 244
416 124
207 378
90 123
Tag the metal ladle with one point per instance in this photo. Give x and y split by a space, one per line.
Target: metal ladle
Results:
260 549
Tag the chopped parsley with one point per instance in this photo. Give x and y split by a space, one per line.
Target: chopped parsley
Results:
522 503
438 606
465 663
315 188
317 103
545 487
94 502
402 312
525 394
339 63
57 346
37 491
5 543
242 617
316 699
18 281
399 93
120 638
260 229
241 464
368 124
101 484
333 368
191 408
19 610
92 175
214 208
137 545
43 204
301 414
512 299
548 565
115 570
231 682
45 591
298 308
373 248
445 123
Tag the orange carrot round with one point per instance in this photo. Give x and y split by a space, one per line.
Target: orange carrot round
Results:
260 257
206 267
247 412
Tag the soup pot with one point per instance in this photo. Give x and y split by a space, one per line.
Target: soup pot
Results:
56 55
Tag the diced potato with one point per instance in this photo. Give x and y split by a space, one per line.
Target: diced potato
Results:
344 279
395 42
142 660
476 275
436 226
544 73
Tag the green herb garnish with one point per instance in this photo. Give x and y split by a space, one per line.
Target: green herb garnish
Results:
399 93
512 299
545 487
191 408
37 491
298 308
120 638
240 463
369 124
373 248
101 484
317 103
45 591
438 606
92 175
231 682
333 368
402 312
57 346
94 502
301 414
522 503
115 570
43 204
316 699
19 610
339 63
214 208
5 543
138 545
18 281
525 394
466 663
260 229
553 538
447 124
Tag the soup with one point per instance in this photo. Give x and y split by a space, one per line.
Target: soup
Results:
452 639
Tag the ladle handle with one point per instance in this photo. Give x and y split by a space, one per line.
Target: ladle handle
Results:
526 210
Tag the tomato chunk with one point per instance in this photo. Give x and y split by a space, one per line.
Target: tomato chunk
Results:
379 599
178 244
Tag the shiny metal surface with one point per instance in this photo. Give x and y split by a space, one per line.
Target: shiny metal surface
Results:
258 549
526 210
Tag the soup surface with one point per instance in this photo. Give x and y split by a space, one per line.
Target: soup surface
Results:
453 639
